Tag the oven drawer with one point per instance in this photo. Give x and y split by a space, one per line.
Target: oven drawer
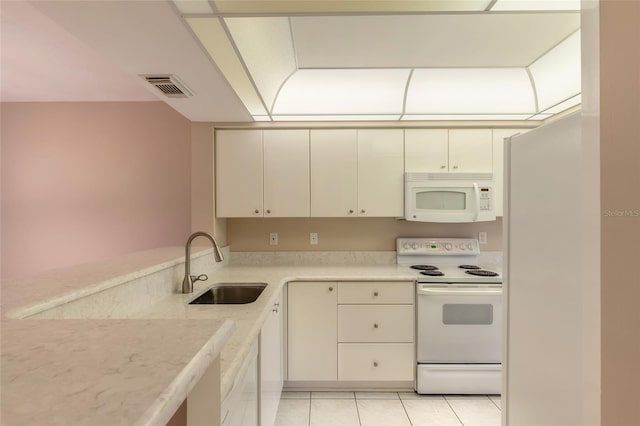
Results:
376 293
376 361
375 323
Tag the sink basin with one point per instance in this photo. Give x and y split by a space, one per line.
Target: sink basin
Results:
229 294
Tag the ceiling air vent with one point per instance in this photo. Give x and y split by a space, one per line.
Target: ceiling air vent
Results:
169 85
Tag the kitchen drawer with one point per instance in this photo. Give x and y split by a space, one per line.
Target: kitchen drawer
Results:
375 323
375 361
375 293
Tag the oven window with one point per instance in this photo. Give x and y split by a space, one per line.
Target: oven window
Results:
467 314
441 200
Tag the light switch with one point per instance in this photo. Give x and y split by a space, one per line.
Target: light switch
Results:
313 238
273 239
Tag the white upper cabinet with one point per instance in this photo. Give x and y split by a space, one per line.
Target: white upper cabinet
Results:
239 173
426 150
286 173
380 173
334 173
470 150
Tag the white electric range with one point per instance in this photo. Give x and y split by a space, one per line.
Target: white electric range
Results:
458 316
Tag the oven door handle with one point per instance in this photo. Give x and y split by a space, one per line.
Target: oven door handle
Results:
479 291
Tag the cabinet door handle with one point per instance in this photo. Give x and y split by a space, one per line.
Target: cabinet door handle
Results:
256 211
375 325
350 211
455 167
375 293
330 288
268 211
362 211
375 363
443 167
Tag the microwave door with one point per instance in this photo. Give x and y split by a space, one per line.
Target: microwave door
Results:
443 204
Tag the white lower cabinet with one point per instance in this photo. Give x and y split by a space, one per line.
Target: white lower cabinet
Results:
271 364
375 323
312 322
350 331
240 407
378 362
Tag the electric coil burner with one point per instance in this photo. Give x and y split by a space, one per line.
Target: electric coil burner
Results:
424 267
432 273
481 273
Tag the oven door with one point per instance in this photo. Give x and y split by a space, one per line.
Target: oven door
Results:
459 323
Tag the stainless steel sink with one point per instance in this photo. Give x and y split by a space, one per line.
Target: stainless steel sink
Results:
229 294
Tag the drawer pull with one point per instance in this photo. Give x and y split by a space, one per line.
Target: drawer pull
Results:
375 325
375 363
330 288
375 293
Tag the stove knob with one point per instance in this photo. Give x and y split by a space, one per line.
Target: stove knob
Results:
448 246
470 246
414 246
405 246
462 247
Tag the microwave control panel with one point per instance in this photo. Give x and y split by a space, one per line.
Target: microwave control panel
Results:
485 199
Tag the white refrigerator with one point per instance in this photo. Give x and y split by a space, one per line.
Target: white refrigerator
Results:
546 377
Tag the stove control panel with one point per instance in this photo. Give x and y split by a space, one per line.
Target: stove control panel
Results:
437 246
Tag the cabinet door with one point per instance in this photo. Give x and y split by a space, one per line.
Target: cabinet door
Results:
426 150
498 165
471 150
334 173
312 331
238 173
271 367
380 173
286 173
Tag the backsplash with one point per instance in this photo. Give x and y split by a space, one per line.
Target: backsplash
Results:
311 258
119 297
348 234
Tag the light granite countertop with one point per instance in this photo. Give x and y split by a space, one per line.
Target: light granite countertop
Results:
139 368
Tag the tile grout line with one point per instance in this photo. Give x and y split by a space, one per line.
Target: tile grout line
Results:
405 410
494 403
454 411
357 409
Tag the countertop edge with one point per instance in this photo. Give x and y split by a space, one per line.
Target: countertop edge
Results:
165 406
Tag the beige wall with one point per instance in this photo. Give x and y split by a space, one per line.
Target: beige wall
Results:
620 183
203 202
360 234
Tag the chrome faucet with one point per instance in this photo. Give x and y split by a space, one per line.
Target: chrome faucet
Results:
187 282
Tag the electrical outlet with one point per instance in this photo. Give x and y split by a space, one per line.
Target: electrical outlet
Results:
313 238
482 237
273 239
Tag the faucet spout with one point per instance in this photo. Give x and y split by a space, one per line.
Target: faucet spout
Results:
187 282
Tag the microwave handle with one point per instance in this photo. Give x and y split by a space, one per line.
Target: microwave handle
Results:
476 193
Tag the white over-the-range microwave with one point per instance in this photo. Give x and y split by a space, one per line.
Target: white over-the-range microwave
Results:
449 197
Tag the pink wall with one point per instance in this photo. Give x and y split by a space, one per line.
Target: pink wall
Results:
87 181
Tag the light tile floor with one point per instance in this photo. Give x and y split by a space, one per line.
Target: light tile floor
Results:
387 409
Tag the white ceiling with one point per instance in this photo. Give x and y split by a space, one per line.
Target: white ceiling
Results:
97 50
458 40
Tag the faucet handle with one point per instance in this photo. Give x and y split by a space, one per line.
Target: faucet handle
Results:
201 277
